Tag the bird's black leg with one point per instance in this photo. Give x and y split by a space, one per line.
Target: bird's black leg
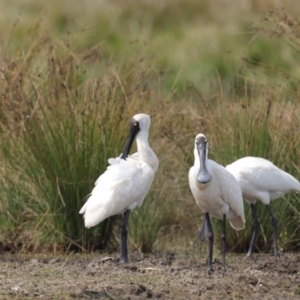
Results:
124 231
224 242
254 230
211 242
274 223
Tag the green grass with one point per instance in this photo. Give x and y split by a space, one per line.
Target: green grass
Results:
72 78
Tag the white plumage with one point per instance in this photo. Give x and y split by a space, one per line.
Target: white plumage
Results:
125 183
260 179
123 186
215 190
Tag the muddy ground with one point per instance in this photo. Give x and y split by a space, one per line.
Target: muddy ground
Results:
156 276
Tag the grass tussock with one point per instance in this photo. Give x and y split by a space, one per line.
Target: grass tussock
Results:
59 128
68 96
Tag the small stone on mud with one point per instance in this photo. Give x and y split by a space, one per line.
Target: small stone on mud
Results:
91 265
34 261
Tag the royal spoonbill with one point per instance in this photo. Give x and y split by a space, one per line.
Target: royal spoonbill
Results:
217 193
125 183
260 179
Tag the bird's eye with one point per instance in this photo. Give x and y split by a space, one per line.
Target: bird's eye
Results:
135 124
205 140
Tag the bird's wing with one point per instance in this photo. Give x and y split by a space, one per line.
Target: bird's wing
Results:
231 191
117 189
263 175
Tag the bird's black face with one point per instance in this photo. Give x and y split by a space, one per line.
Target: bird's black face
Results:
134 129
201 144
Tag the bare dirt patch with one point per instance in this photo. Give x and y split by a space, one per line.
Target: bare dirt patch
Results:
156 276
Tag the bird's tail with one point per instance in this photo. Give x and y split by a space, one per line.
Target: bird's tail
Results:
237 223
203 231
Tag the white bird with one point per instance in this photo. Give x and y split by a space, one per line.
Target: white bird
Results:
125 183
217 193
260 179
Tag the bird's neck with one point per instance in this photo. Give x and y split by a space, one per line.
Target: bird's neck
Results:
146 154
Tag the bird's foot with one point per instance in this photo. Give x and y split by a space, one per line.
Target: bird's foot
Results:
210 270
124 260
249 254
276 255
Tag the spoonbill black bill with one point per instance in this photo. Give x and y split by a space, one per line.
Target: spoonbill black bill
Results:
260 179
217 193
125 183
